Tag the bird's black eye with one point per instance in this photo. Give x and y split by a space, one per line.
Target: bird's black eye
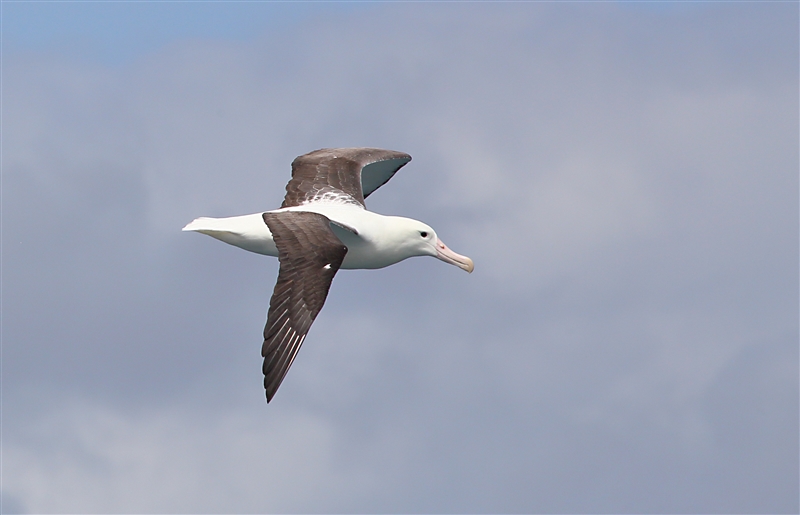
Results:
423 234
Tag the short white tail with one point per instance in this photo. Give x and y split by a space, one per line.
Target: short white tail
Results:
203 223
249 232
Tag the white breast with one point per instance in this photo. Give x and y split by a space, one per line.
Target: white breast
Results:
371 247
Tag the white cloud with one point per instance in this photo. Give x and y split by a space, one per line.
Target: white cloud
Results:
104 460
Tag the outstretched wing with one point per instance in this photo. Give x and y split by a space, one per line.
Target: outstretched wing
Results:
309 254
341 174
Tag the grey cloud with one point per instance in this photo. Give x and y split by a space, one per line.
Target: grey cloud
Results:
625 180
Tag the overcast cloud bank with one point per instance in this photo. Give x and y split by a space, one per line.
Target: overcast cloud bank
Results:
626 182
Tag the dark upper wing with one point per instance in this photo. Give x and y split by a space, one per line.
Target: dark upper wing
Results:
341 174
309 254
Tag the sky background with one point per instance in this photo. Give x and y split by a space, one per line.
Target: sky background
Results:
624 175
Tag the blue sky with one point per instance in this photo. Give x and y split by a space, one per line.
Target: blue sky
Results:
623 175
116 32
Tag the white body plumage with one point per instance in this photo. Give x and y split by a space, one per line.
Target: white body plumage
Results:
372 240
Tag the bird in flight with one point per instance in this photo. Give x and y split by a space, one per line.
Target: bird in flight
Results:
323 225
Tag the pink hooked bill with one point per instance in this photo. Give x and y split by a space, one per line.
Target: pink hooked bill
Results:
448 256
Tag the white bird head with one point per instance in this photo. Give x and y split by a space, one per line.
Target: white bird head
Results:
418 239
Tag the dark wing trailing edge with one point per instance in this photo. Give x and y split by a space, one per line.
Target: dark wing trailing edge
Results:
310 255
343 174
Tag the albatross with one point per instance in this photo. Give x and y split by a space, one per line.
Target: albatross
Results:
323 225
